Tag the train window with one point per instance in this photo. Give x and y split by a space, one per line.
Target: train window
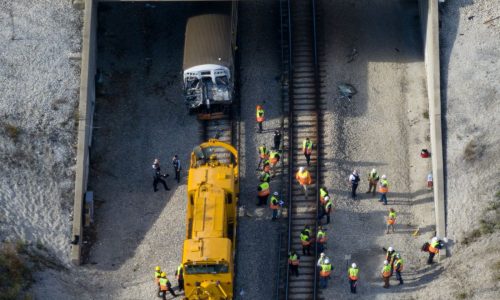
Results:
229 198
206 268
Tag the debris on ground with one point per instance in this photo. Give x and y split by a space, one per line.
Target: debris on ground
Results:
353 55
346 90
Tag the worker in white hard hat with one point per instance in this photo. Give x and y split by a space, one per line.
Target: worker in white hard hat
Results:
434 247
373 179
390 255
386 273
324 273
354 181
274 205
326 209
383 189
321 259
304 178
353 275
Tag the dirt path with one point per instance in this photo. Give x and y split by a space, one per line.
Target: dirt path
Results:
382 127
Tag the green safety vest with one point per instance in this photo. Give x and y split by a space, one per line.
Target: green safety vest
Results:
260 113
293 257
386 270
321 234
398 263
305 235
157 274
392 215
164 281
265 176
274 200
307 145
384 182
326 268
353 272
273 154
323 192
328 204
264 186
373 176
263 150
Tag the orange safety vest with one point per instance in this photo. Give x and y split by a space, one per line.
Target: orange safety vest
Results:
433 249
325 272
274 200
386 271
353 273
264 189
275 158
303 178
163 284
391 219
383 186
263 153
260 115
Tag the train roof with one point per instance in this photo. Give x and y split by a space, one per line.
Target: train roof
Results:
208 41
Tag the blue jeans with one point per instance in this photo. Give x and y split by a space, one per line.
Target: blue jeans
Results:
383 197
275 213
323 281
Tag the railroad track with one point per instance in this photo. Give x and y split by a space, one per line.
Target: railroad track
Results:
302 91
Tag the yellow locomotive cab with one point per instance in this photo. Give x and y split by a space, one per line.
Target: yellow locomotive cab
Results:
209 248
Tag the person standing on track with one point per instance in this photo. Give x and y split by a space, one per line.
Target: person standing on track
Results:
354 180
353 275
263 193
324 273
321 239
323 192
293 263
304 178
260 117
274 204
307 149
274 158
265 177
277 140
383 189
326 210
158 177
263 155
306 240
176 163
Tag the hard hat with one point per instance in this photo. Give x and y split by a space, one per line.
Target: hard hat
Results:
322 254
301 169
386 262
354 265
157 268
384 177
276 194
398 255
327 198
390 249
327 261
434 239
163 274
374 170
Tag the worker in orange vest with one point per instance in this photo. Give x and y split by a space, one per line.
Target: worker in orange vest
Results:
165 286
353 275
324 273
383 189
386 273
179 273
263 155
260 117
306 240
262 193
321 239
391 220
434 247
304 178
274 158
274 204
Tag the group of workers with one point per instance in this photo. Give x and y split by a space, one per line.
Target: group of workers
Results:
374 181
164 285
393 263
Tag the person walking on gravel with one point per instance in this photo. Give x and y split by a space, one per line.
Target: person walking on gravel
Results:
260 117
391 220
179 273
398 267
293 263
354 180
274 159
176 163
383 189
386 274
434 247
263 193
304 178
165 286
373 179
307 149
277 140
353 275
274 204
324 273
158 177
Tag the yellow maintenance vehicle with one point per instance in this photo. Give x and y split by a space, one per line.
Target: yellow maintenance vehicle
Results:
210 245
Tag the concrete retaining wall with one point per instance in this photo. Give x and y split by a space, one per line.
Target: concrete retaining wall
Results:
429 16
85 116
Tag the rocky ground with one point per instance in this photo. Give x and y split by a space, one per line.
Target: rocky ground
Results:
383 127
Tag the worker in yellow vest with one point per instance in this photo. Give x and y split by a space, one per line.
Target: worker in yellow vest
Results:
324 273
157 277
307 149
383 189
326 210
391 220
306 240
260 117
386 274
265 177
304 178
434 247
293 263
165 286
321 239
353 275
274 205
398 267
323 192
263 155
179 273
263 193
274 158
373 179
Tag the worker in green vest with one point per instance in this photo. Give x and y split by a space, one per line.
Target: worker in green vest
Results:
324 273
307 149
179 273
259 116
386 273
306 240
398 267
165 286
321 239
263 155
322 194
391 220
263 193
265 177
274 205
326 210
373 179
293 263
157 277
353 275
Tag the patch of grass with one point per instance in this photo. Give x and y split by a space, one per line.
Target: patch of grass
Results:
15 276
12 131
462 295
489 224
425 114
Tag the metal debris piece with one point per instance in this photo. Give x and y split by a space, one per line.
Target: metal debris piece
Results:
346 90
353 55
